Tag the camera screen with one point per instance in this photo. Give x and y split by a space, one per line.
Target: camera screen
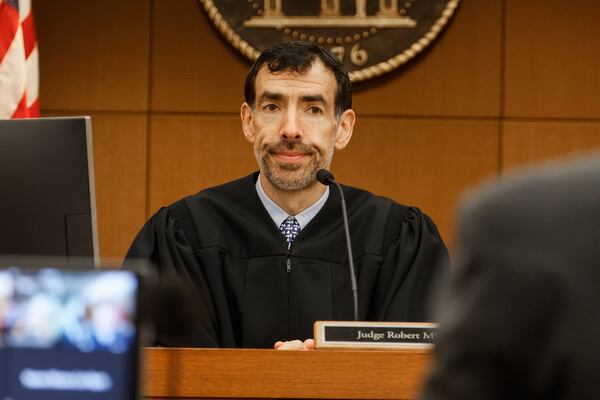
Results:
68 334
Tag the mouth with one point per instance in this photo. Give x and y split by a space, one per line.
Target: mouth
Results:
287 156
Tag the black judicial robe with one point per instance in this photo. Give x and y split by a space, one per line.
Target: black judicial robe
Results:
253 291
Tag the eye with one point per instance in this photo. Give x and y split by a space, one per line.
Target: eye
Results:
270 107
315 110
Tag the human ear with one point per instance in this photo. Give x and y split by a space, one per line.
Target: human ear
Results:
344 129
247 126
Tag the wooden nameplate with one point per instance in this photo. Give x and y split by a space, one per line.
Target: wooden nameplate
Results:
374 335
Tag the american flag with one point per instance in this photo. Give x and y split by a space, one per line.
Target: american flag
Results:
18 61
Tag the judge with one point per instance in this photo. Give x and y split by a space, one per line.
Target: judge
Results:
266 252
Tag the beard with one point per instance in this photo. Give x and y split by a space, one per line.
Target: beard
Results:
292 176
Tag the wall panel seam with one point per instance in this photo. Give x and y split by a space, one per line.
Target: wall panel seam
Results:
149 107
502 89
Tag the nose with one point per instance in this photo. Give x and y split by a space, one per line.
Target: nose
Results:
291 125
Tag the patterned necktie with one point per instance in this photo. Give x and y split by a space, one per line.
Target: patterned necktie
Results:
290 229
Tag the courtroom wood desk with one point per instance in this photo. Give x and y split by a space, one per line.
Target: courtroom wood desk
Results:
266 374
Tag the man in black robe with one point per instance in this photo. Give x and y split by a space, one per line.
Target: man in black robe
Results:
266 253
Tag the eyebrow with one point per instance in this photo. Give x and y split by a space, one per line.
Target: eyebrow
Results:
270 96
316 98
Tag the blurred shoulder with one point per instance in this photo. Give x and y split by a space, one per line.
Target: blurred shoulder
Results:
553 185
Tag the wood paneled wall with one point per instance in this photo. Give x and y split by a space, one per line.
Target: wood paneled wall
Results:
507 84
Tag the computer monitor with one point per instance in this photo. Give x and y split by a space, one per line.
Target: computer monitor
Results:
67 334
47 205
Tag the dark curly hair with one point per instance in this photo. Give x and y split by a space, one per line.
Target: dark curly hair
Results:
299 57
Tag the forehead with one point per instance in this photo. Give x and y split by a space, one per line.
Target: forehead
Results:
318 79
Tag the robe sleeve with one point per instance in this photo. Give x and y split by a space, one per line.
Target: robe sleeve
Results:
415 262
183 316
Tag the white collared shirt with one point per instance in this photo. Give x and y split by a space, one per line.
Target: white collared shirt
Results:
279 215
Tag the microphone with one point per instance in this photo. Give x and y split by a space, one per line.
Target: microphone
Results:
326 178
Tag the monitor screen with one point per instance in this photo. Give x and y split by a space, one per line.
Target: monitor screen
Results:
68 334
46 179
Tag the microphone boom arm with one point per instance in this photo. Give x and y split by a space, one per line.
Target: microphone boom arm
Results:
326 178
349 247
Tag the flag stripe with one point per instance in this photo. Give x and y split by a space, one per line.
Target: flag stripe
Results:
34 108
31 69
24 8
22 111
9 23
12 77
28 34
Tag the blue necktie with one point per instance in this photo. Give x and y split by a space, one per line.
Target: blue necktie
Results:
290 229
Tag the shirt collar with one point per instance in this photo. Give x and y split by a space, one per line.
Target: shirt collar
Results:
279 215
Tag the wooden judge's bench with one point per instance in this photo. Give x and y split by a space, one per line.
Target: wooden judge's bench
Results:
267 374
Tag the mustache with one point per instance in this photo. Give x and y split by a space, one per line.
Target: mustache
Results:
289 145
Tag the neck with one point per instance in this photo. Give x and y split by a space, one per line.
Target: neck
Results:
292 201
